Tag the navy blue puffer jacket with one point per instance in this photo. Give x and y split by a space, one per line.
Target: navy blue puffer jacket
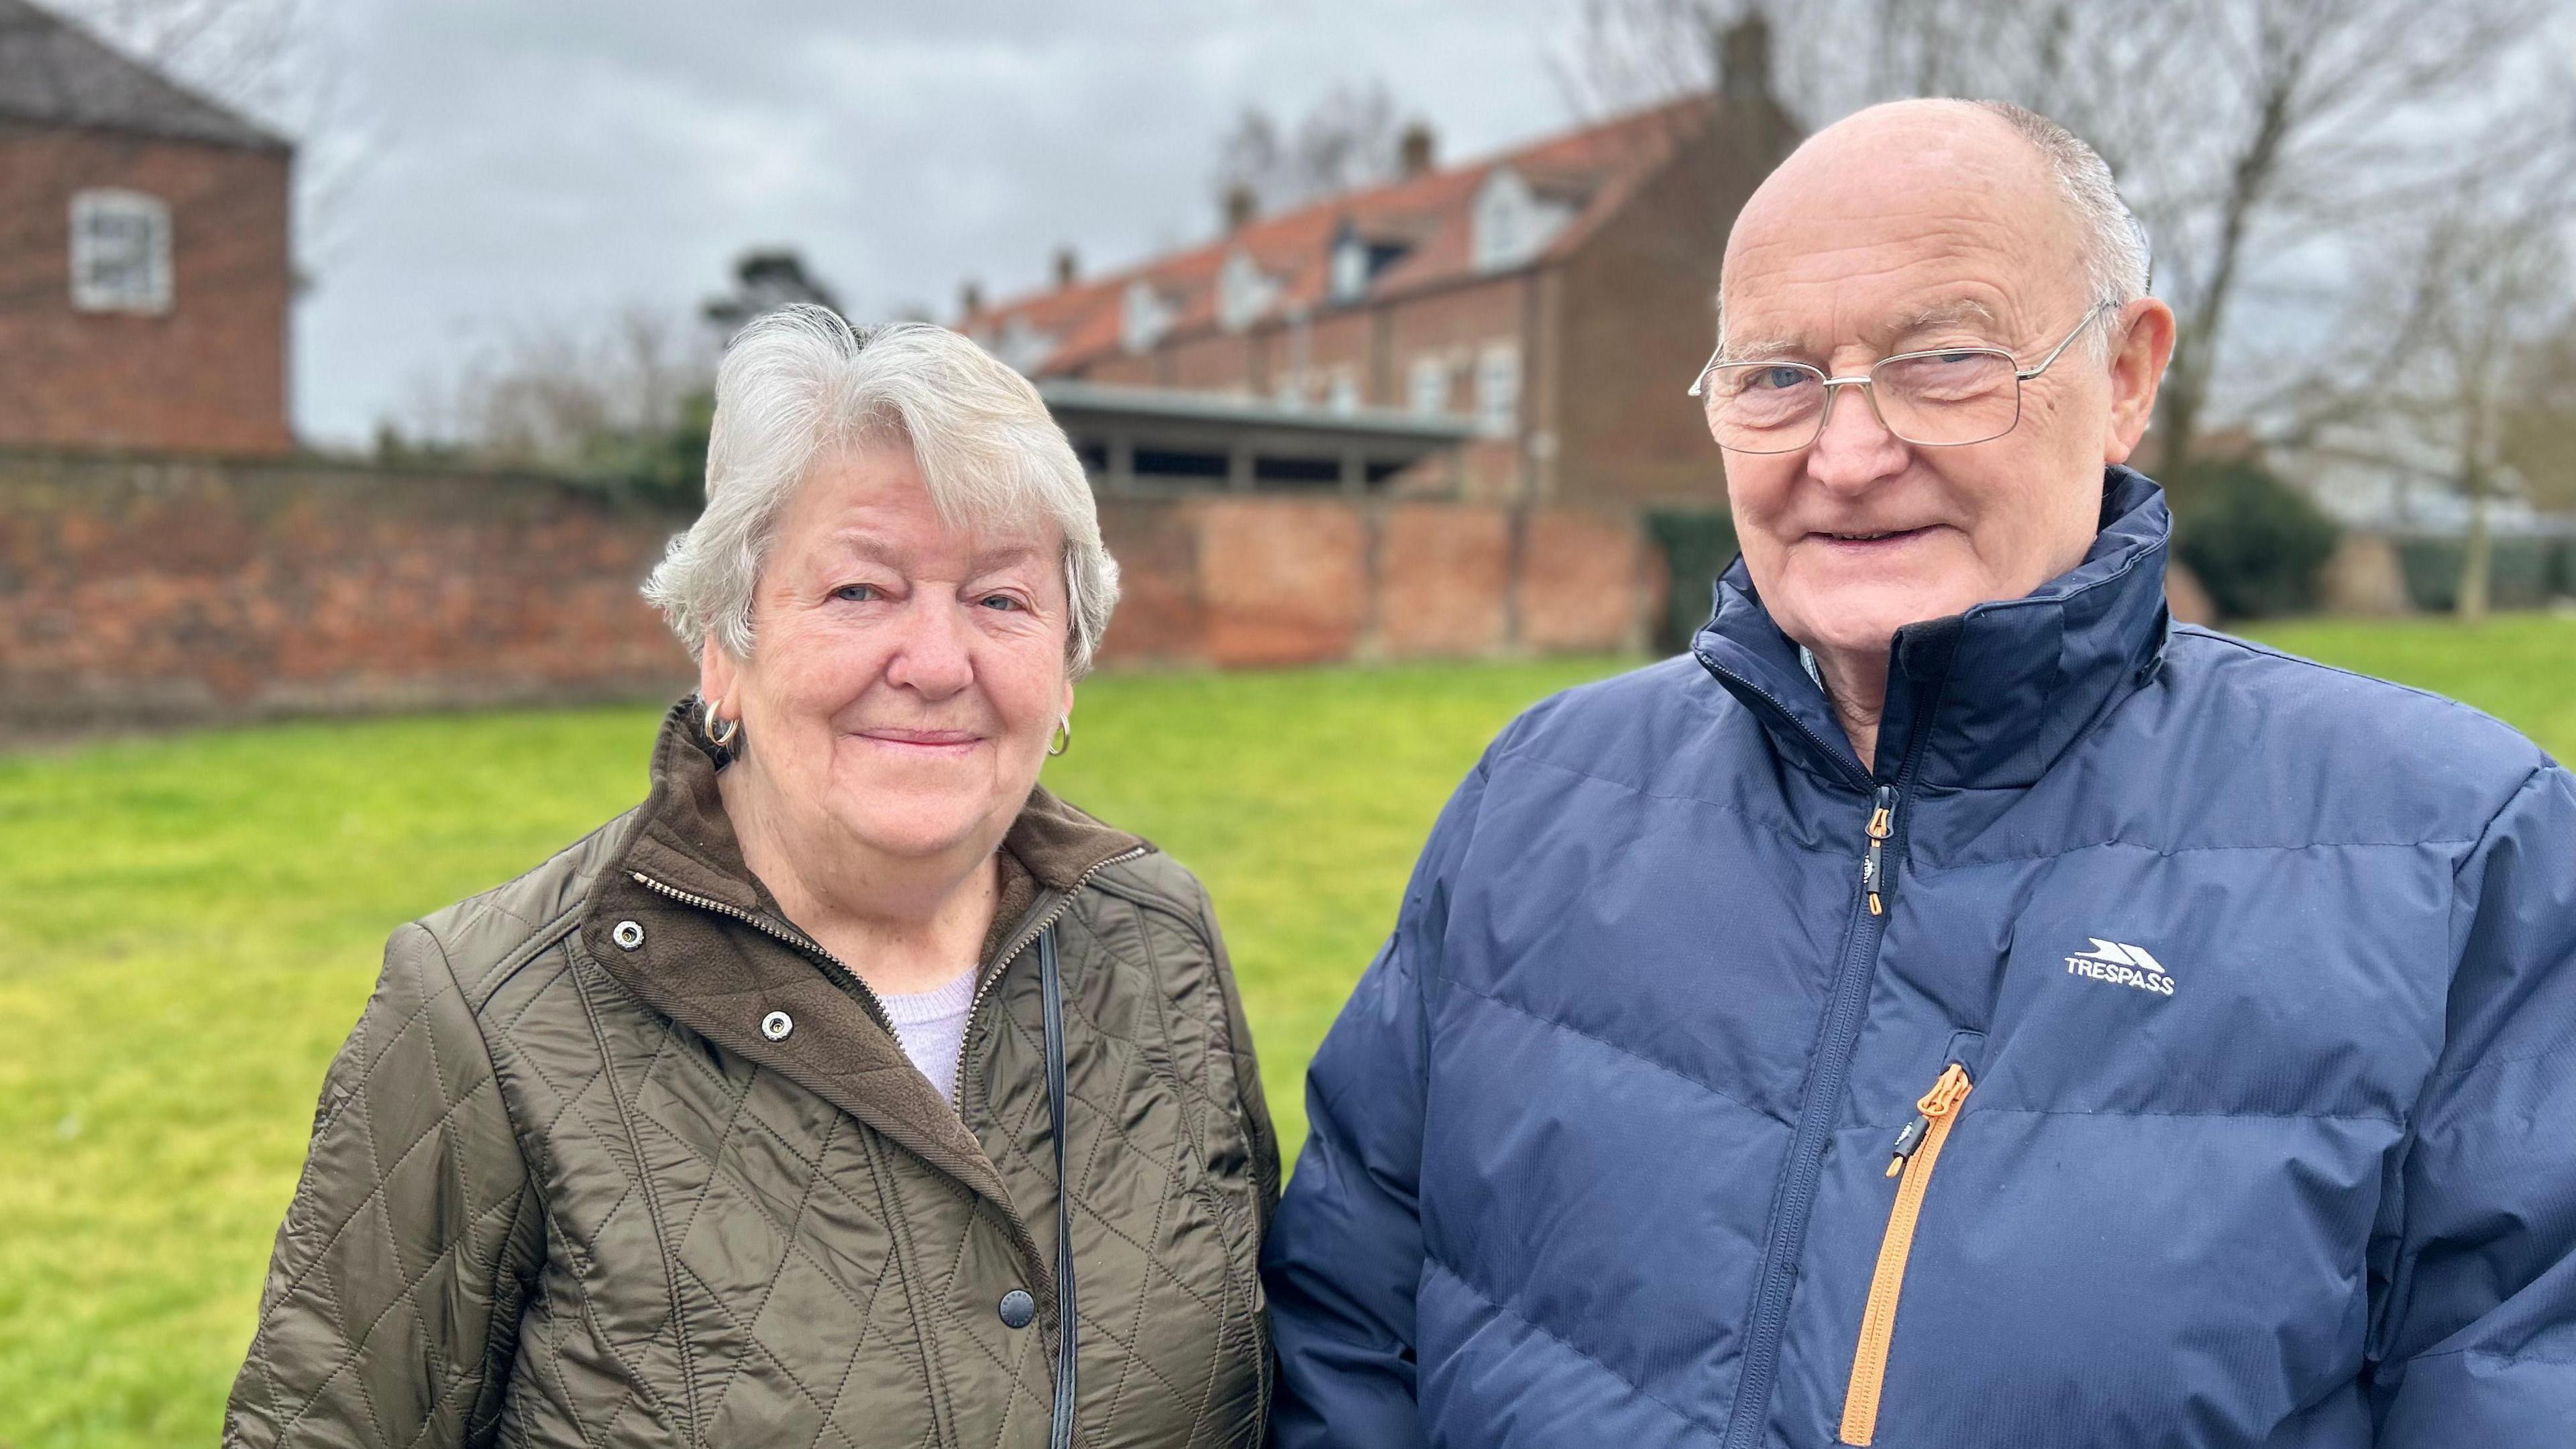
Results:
2213 1011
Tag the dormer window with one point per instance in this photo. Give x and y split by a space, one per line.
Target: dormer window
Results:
1511 223
120 252
1350 277
1023 347
1243 292
1145 318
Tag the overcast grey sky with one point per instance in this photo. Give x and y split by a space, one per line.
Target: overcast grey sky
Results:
561 159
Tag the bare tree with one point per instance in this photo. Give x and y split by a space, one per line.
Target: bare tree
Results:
2479 303
560 395
2251 136
1350 139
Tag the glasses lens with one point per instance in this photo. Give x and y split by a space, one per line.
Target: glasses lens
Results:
1763 407
1944 398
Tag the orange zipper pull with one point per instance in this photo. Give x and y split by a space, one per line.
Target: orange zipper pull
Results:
1873 866
1940 1102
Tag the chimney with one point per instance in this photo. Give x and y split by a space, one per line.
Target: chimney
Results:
1241 206
1744 60
970 297
1066 267
1416 149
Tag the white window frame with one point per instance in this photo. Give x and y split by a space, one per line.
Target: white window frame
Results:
1243 292
1350 269
1427 385
1498 389
1343 396
1146 317
97 211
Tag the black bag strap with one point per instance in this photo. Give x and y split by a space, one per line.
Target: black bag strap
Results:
1060 1434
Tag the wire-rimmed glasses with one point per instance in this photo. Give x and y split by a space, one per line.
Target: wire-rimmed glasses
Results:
1944 398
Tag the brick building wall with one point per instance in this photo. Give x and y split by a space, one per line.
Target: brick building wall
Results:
1639 315
208 375
172 591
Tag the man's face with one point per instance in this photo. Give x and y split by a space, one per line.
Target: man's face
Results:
1901 230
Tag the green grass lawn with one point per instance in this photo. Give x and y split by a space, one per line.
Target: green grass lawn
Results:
188 927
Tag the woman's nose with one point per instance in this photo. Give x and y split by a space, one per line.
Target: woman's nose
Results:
932 656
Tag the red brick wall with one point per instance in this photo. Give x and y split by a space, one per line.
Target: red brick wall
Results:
207 376
161 592
1243 581
172 591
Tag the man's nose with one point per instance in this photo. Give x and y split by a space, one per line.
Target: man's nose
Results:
933 656
1854 449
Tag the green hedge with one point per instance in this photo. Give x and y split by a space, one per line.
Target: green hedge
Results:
1697 547
2255 543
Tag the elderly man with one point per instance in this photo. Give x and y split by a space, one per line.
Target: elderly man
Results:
1955 1006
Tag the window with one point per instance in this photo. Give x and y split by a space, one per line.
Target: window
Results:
1146 317
1345 396
1427 385
1243 293
120 252
1511 223
1498 389
1350 269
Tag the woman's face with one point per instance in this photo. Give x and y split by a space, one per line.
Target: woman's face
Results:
906 675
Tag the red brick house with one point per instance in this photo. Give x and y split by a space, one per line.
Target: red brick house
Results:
1557 298
145 275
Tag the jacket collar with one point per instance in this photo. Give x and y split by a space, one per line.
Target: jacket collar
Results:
1984 699
717 955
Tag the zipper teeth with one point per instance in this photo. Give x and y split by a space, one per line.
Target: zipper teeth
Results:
1887 1280
1843 1019
984 988
867 996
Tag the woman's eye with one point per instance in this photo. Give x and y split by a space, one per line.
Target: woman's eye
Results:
855 593
1000 601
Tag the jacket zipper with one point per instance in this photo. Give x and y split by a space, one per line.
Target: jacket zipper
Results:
847 977
984 988
1917 1154
1831 1074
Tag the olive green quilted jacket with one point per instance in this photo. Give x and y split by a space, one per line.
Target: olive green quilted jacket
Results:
616 1156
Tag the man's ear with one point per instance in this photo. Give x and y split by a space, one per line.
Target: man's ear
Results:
2146 343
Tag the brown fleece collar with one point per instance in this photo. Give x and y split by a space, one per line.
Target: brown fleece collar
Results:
684 837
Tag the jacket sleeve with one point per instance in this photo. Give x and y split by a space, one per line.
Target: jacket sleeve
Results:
1346 1254
390 1314
2476 1340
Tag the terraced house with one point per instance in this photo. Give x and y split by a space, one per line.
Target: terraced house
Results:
1546 306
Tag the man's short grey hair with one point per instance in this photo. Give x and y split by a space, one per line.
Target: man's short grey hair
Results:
800 384
2115 258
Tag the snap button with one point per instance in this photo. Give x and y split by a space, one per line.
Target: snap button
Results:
1017 1308
777 1025
627 934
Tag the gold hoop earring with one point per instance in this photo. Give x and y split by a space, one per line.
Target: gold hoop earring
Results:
721 732
1063 740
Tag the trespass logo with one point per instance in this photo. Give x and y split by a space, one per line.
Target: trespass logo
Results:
2122 965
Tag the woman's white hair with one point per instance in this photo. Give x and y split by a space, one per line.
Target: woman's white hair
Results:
799 384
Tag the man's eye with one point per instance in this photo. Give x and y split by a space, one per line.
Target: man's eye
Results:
1773 379
855 593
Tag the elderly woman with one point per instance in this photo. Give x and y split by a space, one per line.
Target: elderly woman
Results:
742 1120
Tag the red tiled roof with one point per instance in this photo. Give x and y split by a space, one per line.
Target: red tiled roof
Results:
1595 169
